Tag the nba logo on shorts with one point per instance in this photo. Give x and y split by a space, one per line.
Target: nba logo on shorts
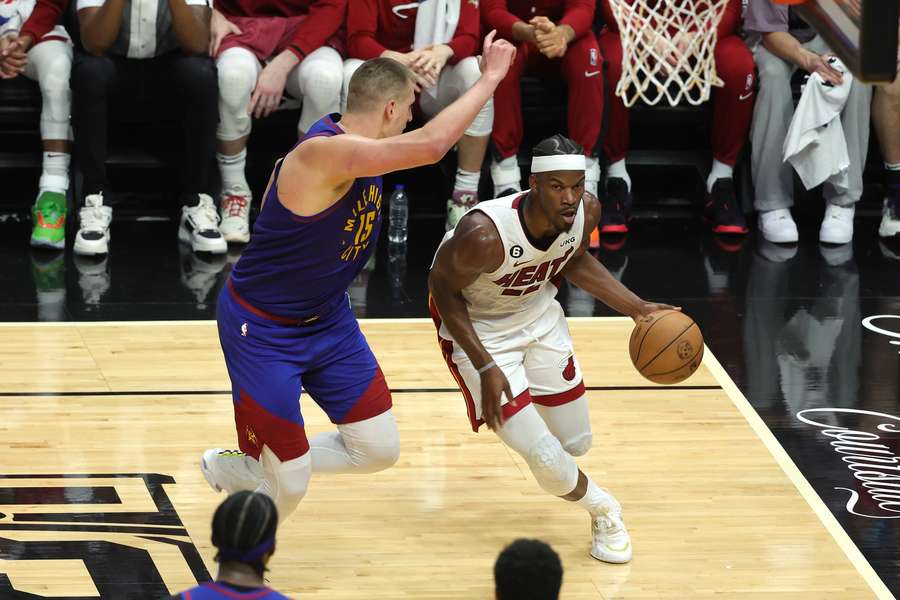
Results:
593 57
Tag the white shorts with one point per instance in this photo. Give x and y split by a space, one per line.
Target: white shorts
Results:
538 361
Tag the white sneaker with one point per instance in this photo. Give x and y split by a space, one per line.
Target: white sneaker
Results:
457 206
890 219
837 225
234 213
93 233
200 227
230 470
93 278
778 226
611 542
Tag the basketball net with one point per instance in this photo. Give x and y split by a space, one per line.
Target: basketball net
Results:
667 49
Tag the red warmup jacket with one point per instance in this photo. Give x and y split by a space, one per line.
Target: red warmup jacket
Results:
374 26
503 14
324 18
45 16
731 18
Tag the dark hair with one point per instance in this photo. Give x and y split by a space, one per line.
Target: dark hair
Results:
556 145
376 81
528 570
243 529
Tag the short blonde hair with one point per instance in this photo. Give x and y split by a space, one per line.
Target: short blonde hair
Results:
375 82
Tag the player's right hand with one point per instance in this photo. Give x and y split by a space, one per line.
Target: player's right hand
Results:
219 27
496 57
493 386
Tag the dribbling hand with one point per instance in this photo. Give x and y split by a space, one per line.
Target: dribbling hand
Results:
496 57
493 386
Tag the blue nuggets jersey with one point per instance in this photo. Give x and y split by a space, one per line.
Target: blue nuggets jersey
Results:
297 267
218 591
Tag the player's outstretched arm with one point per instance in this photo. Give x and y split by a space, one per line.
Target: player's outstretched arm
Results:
347 157
475 248
588 273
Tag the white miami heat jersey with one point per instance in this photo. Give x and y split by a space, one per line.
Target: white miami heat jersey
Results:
521 290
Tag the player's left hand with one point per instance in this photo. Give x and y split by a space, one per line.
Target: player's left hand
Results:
13 56
550 39
269 90
650 307
431 60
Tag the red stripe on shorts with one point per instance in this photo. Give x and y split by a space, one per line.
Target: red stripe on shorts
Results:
257 427
374 401
561 398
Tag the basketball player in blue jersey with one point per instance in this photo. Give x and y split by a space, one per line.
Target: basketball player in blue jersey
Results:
284 316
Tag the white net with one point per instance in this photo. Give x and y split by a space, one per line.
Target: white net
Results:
667 49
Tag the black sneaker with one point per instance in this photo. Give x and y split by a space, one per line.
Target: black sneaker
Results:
616 203
722 210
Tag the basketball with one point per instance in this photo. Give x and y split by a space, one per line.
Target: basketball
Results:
666 346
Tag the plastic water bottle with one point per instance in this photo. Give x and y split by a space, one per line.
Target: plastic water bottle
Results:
398 216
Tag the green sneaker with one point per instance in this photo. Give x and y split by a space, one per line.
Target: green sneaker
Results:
49 218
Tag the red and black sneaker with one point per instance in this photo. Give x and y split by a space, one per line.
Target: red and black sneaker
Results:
722 210
616 203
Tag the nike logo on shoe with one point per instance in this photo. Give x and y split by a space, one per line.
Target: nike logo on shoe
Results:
621 549
591 73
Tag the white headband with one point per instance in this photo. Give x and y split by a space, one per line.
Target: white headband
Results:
559 162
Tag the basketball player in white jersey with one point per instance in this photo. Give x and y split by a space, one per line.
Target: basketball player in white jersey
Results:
505 338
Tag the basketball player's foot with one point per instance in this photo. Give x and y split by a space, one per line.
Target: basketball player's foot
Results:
837 224
49 218
616 203
722 210
778 227
92 238
611 542
230 470
459 205
890 219
234 212
200 226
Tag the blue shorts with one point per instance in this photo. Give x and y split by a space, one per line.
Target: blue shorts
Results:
269 360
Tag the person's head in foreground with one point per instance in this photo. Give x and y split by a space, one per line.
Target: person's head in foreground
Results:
527 570
382 90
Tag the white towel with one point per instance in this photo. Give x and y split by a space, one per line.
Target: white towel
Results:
815 144
436 22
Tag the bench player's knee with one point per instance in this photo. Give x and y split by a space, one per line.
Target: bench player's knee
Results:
552 466
579 444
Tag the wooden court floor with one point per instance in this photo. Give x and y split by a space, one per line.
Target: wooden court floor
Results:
714 506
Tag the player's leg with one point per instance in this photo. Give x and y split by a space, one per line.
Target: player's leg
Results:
507 131
351 389
274 452
238 69
617 197
582 68
732 110
50 64
772 176
454 81
317 80
886 118
556 472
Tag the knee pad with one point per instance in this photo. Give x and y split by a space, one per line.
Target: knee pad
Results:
553 468
321 87
350 67
285 482
237 76
373 444
483 123
579 445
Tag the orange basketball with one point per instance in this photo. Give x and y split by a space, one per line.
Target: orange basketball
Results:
666 346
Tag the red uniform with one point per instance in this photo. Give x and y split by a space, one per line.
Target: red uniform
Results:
323 19
44 17
732 104
581 67
374 26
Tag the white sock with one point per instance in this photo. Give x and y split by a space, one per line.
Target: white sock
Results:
591 174
232 170
719 171
617 169
466 181
55 172
506 174
597 501
891 166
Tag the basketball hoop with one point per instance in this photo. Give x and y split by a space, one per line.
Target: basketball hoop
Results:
667 49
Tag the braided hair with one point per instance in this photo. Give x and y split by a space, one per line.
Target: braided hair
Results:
243 529
555 146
